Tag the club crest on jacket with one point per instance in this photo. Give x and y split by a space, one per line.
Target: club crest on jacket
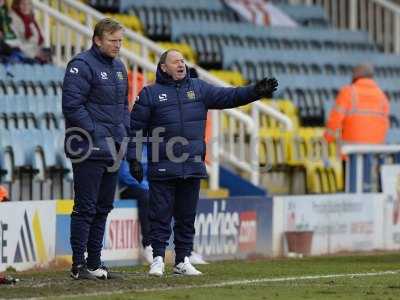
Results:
191 95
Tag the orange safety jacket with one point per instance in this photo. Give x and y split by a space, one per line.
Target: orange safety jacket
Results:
134 78
360 115
3 194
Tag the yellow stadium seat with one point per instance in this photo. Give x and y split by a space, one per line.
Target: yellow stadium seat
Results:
314 180
151 77
232 77
129 21
273 148
188 53
284 106
327 153
134 47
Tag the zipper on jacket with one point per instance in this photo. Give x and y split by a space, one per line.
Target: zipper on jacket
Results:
115 83
181 120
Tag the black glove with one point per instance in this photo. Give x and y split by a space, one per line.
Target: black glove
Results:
136 170
266 87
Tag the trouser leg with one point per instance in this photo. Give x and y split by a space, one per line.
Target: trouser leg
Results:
87 179
186 199
162 196
104 206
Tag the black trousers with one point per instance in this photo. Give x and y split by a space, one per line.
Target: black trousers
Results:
94 190
173 198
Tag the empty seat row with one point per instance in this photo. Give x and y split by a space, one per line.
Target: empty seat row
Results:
14 87
129 21
176 4
30 121
326 82
209 39
36 105
307 62
25 146
180 27
393 136
125 5
314 95
156 16
306 15
27 111
32 73
306 149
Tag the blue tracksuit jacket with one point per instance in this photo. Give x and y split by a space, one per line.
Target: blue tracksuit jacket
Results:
180 109
94 101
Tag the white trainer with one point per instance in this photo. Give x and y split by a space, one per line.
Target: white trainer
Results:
196 259
100 273
186 268
147 254
157 267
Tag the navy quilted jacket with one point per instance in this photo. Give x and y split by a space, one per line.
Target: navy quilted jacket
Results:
179 108
94 101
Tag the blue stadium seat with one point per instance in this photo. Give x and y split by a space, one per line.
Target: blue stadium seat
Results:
393 136
6 154
306 15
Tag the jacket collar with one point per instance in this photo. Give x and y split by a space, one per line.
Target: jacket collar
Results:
100 56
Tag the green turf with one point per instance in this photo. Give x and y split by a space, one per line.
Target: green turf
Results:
137 285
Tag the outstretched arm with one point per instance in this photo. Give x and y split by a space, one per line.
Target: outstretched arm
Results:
223 97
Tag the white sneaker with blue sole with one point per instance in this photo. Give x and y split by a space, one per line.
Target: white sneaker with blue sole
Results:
186 268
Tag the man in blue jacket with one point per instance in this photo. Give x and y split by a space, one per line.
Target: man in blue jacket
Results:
176 106
95 107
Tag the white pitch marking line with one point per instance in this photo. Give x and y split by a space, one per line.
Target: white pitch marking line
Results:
224 283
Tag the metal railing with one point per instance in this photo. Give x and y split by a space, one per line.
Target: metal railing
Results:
380 18
68 37
359 166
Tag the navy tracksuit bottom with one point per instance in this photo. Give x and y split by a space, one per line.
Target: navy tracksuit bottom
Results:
175 198
94 189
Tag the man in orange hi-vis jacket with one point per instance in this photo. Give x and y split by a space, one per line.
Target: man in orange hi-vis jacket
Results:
361 112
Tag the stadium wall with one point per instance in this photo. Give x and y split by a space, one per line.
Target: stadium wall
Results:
35 233
339 223
27 234
234 228
121 239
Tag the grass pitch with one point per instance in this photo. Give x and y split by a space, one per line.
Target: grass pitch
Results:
342 277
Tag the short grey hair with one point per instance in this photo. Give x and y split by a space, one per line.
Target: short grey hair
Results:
365 70
163 57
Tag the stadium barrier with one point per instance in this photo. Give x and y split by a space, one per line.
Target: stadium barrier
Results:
234 228
339 222
363 161
36 233
391 188
121 239
27 234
